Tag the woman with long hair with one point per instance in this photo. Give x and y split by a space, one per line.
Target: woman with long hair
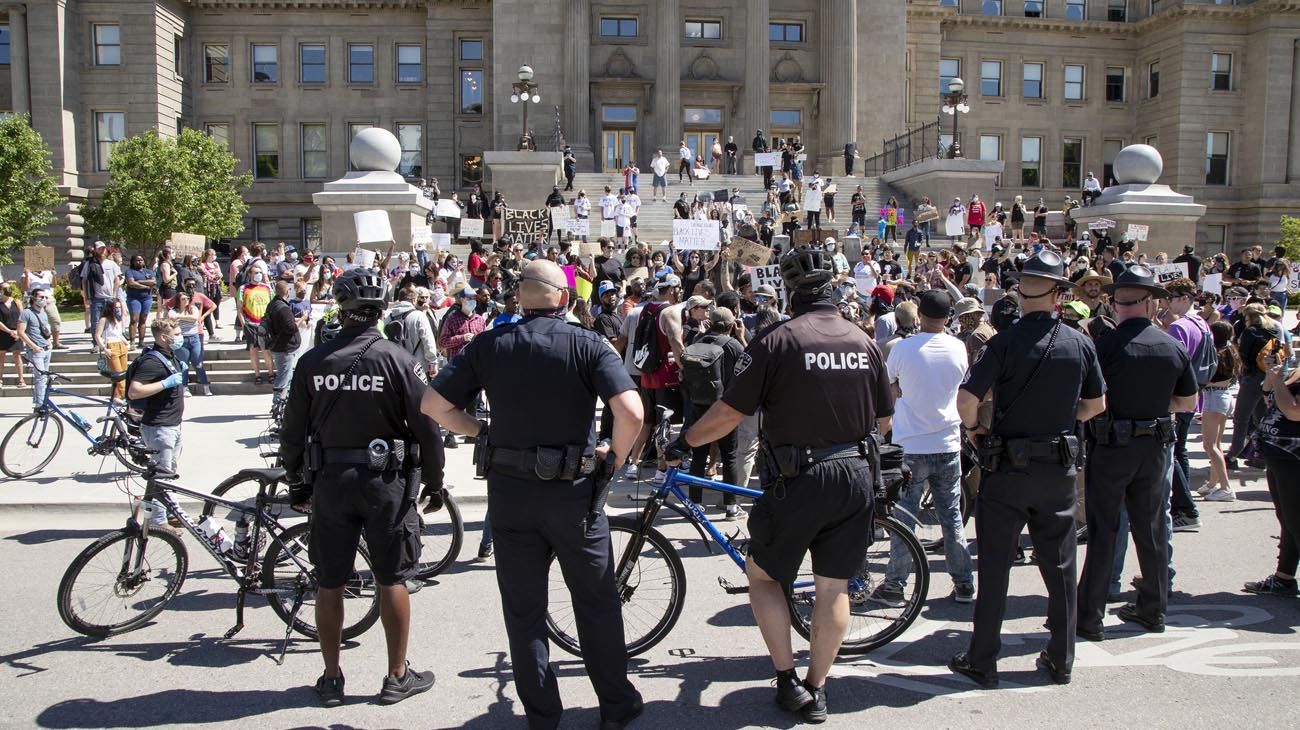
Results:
1279 442
1216 406
111 331
1260 330
188 314
211 272
169 280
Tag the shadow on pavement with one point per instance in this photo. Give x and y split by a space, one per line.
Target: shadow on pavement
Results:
180 707
41 537
199 651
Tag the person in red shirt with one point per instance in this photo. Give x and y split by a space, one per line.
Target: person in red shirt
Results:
975 216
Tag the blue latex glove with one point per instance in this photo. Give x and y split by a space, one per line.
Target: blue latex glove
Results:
173 380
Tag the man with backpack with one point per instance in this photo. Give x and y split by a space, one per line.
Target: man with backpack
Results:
656 352
1187 327
154 383
282 338
408 324
707 367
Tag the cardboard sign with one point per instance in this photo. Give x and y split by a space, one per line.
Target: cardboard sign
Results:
812 200
832 189
38 258
372 226
589 248
811 236
926 213
1213 283
446 208
639 272
767 159
525 226
852 247
608 229
559 215
471 228
441 241
187 244
747 252
578 227
1138 232
1166 273
692 234
771 276
1101 224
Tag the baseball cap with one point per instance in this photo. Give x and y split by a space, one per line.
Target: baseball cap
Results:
935 304
721 317
607 287
1275 310
697 301
467 293
1079 308
765 290
883 293
668 282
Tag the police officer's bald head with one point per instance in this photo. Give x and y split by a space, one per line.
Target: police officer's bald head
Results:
543 286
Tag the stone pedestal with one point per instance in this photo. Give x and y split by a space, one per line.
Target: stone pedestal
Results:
374 186
941 180
524 178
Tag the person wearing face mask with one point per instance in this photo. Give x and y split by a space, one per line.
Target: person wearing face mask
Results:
140 285
207 308
255 296
282 337
154 384
187 314
34 332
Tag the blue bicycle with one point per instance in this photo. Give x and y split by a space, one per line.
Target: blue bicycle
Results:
652 582
31 444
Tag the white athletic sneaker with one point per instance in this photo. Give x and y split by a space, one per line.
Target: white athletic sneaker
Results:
1221 495
1205 489
631 472
659 477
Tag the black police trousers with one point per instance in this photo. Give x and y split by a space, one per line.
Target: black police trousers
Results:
1132 476
1041 496
531 519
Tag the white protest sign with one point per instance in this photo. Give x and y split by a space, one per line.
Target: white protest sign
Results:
607 228
801 157
559 215
442 241
372 226
1138 232
363 258
421 237
954 225
1166 273
1101 224
771 276
471 228
767 159
446 208
578 227
1213 283
696 235
1295 275
992 232
812 200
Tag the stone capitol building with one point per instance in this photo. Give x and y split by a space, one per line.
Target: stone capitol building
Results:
1055 87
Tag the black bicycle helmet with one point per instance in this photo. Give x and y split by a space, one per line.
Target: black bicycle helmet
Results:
359 288
806 268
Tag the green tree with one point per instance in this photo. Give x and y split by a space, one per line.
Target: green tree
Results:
1290 237
28 190
159 186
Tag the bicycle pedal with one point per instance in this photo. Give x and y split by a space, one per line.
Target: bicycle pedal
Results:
730 588
233 630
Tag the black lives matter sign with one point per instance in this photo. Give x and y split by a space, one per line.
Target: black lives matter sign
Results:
525 226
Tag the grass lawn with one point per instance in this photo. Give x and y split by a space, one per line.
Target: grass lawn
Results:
72 314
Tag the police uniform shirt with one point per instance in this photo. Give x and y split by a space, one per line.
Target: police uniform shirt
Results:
542 377
819 379
1047 405
379 399
1143 367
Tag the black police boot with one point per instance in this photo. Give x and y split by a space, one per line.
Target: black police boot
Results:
814 713
960 663
791 694
1058 675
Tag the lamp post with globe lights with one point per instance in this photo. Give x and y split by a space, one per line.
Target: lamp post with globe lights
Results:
525 91
954 103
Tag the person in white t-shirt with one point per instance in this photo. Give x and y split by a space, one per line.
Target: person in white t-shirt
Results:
634 202
582 209
867 273
684 163
659 166
607 205
926 370
623 220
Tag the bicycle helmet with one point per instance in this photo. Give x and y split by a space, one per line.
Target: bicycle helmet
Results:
359 288
806 268
329 329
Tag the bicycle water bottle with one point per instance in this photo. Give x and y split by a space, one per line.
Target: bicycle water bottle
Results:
82 423
241 539
216 535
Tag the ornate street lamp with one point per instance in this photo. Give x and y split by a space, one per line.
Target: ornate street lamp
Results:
954 103
524 91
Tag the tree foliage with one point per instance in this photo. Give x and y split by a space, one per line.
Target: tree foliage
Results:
158 186
1291 237
28 189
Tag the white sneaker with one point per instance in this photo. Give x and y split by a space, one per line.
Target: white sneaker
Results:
632 472
1205 489
1221 495
659 477
734 513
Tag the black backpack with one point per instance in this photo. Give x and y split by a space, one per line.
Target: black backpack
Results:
646 355
76 275
701 369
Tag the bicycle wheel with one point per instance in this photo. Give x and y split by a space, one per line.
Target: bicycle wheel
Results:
656 580
112 587
284 582
129 450
31 444
441 535
872 622
242 489
928 528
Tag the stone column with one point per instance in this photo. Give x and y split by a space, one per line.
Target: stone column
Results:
19 79
668 81
1293 143
758 66
840 72
577 82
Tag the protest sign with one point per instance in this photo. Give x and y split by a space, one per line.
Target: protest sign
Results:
812 200
363 258
1166 273
1138 232
1101 224
1213 283
525 226
38 258
747 252
471 228
954 226
767 159
446 208
559 214
577 227
639 272
187 244
607 229
421 237
771 276
372 226
926 213
442 241
1295 275
696 235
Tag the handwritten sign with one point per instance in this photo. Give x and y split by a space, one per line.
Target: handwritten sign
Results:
771 276
1138 232
767 159
1101 224
1213 283
471 228
442 241
607 229
421 237
954 225
363 258
38 258
696 235
812 200
372 226
577 227
187 244
1295 275
926 213
446 208
525 226
747 252
559 214
1166 273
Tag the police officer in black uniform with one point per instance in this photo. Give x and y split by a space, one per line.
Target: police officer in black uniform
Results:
547 479
822 385
1043 378
355 445
1148 376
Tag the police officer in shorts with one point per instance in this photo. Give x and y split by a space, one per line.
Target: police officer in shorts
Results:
547 480
822 385
1043 378
355 445
1148 376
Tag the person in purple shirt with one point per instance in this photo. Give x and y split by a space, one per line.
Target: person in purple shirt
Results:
1182 323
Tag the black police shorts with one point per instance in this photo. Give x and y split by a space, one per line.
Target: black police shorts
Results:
354 498
826 510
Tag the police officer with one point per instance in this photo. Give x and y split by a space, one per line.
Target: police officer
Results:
801 372
355 445
547 479
1043 378
1148 376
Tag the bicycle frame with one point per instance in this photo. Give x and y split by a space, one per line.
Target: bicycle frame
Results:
110 414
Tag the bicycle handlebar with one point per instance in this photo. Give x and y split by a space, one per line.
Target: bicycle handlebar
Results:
47 373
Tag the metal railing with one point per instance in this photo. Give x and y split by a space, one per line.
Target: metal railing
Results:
917 145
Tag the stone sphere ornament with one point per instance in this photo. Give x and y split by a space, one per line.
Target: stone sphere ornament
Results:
375 150
1138 164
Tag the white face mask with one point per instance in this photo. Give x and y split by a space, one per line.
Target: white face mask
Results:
467 306
257 277
439 294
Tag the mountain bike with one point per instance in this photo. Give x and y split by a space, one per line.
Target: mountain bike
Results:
651 581
31 444
127 577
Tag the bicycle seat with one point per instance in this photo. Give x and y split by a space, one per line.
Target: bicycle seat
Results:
115 376
274 474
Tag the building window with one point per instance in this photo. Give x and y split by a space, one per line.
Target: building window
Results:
1109 151
1216 158
1117 11
991 7
220 133
785 32
787 119
178 56
311 233
618 27
991 78
410 136
471 50
1073 82
1075 10
266 151
410 64
702 115
1031 160
361 64
471 92
471 170
216 63
311 64
108 44
315 157
618 114
1072 163
110 128
1151 140
709 30
1221 71
990 147
4 45
1216 239
1153 80
1033 8
266 64
949 69
265 229
1115 83
1033 81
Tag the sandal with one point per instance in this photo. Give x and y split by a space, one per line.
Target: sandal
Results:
258 380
